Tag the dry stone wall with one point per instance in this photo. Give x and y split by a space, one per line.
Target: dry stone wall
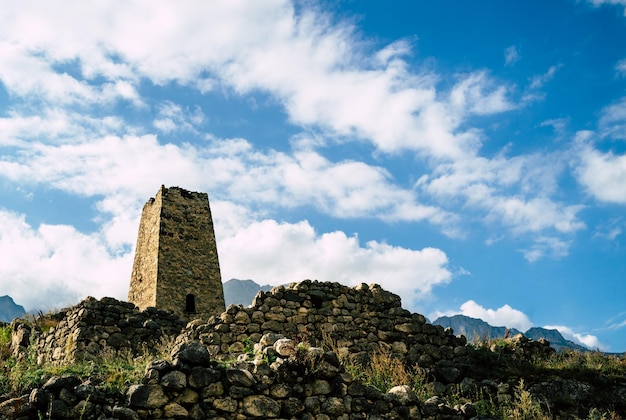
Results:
94 326
306 384
280 358
353 321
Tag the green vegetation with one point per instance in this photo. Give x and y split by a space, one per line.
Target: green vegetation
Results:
116 370
499 360
490 360
5 335
383 372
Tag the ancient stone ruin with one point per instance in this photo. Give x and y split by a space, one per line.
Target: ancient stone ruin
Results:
94 327
283 357
176 264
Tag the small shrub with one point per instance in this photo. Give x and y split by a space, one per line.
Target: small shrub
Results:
525 407
5 335
117 370
384 371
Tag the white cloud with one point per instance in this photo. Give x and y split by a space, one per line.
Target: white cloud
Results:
317 67
587 340
620 67
128 166
278 253
615 2
610 229
63 265
477 94
172 117
603 174
546 247
321 72
504 316
539 81
51 266
483 184
617 322
613 120
511 55
54 125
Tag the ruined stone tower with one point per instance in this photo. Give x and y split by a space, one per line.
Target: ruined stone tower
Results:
176 265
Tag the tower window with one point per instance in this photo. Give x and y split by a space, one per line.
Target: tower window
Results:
190 303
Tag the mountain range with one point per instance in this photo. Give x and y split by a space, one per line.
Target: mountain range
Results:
9 310
476 329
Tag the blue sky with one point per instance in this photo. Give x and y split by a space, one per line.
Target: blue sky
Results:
469 156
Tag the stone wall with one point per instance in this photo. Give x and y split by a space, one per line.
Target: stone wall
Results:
353 321
301 384
280 358
93 326
176 265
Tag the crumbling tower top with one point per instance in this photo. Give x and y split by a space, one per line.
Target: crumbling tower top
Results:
176 265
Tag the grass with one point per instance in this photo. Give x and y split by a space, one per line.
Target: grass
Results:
116 370
575 362
384 371
525 406
5 335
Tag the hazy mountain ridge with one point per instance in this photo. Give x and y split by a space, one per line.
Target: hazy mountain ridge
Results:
9 310
473 328
477 329
242 291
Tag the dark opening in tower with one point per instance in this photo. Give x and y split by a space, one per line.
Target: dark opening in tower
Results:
190 304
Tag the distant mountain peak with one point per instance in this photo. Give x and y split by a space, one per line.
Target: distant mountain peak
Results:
242 292
475 329
9 310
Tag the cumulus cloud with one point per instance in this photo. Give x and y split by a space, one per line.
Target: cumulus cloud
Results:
503 316
514 193
321 72
277 253
65 265
323 75
51 266
587 340
603 174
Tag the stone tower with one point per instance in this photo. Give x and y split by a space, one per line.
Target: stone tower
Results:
176 266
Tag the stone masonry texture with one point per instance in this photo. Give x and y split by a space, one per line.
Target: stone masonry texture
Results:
176 265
